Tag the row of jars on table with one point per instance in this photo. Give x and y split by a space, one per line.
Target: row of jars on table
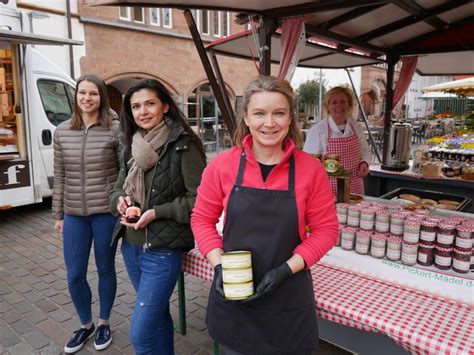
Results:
384 230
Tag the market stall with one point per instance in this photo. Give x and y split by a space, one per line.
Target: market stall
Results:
428 36
362 285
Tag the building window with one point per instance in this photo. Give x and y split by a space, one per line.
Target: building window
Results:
217 23
167 18
124 13
225 24
205 30
138 15
155 16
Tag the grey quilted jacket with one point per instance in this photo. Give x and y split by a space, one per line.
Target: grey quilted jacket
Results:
85 169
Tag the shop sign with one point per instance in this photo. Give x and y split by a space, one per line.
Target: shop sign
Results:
14 174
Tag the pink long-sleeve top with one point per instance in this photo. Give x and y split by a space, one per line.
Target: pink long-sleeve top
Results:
314 199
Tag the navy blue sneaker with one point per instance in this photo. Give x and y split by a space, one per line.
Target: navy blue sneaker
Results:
103 337
79 339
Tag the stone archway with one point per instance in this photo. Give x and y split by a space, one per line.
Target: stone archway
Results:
117 86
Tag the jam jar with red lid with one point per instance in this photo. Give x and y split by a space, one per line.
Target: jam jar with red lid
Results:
443 257
426 254
409 253
394 247
348 238
353 216
378 242
462 260
428 231
362 245
411 230
382 221
446 234
396 223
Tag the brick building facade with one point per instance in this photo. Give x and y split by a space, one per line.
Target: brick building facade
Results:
125 44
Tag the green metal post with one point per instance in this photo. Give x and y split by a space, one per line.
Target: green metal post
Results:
181 304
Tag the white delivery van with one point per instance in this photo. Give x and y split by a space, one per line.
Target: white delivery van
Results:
35 96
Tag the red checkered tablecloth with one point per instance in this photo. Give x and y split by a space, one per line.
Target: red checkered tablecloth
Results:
420 323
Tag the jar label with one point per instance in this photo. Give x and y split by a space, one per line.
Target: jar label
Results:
409 258
393 254
396 229
347 244
428 236
443 260
382 227
347 236
461 265
463 234
463 243
410 237
382 219
353 221
377 252
367 224
362 248
445 238
342 218
423 257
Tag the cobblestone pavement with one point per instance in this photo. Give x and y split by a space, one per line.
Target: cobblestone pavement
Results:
36 312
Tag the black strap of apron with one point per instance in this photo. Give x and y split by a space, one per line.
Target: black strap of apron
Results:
291 175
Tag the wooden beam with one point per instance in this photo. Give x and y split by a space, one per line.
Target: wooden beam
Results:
350 42
415 9
409 20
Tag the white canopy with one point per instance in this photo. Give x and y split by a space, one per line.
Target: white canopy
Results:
463 87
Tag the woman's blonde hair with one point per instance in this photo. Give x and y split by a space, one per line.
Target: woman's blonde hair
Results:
267 84
338 90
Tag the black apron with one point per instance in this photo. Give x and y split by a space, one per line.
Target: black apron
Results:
265 222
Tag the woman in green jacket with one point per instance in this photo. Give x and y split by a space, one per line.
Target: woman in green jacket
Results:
161 166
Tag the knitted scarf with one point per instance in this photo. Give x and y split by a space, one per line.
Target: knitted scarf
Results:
145 152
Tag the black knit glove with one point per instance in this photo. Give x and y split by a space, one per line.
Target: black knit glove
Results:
273 278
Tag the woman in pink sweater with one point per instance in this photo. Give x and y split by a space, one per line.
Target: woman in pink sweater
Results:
269 192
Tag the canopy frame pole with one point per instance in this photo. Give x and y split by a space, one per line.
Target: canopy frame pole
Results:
371 138
226 115
268 26
221 82
391 61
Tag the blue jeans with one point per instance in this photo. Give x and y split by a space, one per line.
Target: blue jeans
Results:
79 233
153 274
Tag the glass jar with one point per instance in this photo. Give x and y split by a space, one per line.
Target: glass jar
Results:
461 260
443 257
378 243
445 235
409 253
428 231
342 212
465 231
362 242
353 216
382 221
347 238
396 223
367 219
394 247
411 231
426 254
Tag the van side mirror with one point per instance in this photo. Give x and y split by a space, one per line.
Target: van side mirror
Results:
46 137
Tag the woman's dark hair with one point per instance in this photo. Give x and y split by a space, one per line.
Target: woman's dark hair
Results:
105 118
129 127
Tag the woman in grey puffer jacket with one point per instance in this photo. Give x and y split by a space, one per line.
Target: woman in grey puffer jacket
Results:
85 170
